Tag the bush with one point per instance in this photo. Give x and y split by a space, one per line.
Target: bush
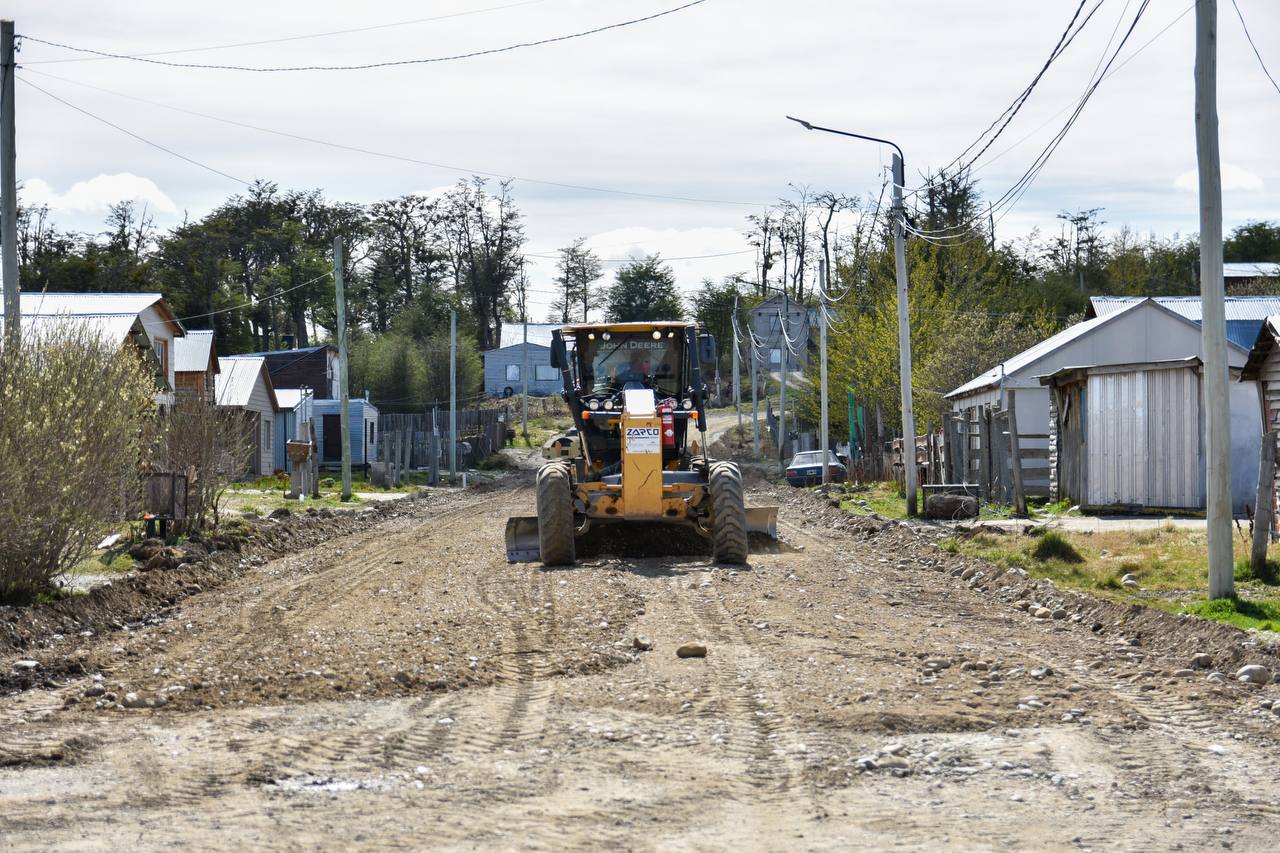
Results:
212 446
76 422
1054 546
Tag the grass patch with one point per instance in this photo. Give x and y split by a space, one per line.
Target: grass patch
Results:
1269 576
1054 546
115 561
1263 615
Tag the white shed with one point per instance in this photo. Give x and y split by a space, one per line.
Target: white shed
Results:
1138 333
243 383
1128 435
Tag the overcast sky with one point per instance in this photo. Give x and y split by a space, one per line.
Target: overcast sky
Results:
688 105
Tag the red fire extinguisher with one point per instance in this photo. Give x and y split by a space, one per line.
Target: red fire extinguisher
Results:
668 427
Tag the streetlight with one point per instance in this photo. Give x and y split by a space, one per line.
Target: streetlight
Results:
904 323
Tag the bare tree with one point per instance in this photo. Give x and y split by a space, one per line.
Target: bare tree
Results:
212 446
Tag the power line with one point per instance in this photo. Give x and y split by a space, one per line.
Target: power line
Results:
1247 35
367 66
395 157
633 260
128 132
253 304
284 39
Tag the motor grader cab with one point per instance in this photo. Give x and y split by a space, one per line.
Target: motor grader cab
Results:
637 398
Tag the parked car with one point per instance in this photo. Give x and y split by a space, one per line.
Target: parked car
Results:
806 468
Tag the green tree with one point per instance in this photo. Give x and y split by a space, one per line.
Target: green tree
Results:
579 268
1253 241
643 290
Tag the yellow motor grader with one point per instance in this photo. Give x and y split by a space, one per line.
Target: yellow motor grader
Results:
637 398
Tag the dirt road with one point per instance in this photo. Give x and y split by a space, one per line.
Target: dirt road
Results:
405 687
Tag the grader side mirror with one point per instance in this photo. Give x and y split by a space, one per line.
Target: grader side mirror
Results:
707 349
559 356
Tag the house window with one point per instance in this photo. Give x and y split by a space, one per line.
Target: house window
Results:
513 373
545 373
162 353
775 356
267 434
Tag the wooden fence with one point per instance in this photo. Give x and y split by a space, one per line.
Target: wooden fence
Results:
420 441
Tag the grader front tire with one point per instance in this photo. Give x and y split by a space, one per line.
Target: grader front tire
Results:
555 515
728 513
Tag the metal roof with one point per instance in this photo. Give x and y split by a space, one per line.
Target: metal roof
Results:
1033 354
288 398
1238 307
114 327
236 380
86 304
192 353
1251 269
539 333
315 348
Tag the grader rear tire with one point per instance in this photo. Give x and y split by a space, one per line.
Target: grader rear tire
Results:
728 513
555 515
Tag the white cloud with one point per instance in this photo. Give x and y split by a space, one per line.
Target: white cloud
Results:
1234 179
97 194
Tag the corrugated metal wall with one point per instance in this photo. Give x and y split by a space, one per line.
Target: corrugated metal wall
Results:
1116 438
1173 437
1143 438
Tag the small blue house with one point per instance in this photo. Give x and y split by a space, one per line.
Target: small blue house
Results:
503 366
299 411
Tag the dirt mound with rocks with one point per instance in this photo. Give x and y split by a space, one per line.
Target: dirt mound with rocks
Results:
163 575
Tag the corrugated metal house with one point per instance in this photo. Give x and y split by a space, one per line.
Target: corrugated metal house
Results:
364 431
503 366
292 422
1245 314
777 330
195 364
1139 332
1128 435
143 320
244 383
311 367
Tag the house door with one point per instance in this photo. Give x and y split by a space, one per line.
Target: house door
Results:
332 450
255 450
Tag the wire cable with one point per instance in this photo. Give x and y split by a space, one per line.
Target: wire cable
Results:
1247 35
252 304
305 37
370 65
128 132
396 157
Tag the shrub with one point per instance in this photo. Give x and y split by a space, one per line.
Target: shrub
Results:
1054 546
76 422
1270 574
211 445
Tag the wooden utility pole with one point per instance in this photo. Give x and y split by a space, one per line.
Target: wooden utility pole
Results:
344 401
904 337
823 439
1262 504
1213 324
453 397
752 355
737 368
524 370
782 394
9 191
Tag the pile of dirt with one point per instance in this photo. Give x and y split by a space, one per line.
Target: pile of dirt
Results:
164 575
1174 637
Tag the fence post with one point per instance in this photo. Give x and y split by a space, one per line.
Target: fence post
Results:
984 450
1015 457
1262 507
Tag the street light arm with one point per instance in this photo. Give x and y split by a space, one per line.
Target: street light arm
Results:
809 126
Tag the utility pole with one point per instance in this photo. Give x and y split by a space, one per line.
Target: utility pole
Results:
524 368
1213 326
782 394
755 404
453 396
823 444
9 191
904 338
344 401
737 368
904 316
